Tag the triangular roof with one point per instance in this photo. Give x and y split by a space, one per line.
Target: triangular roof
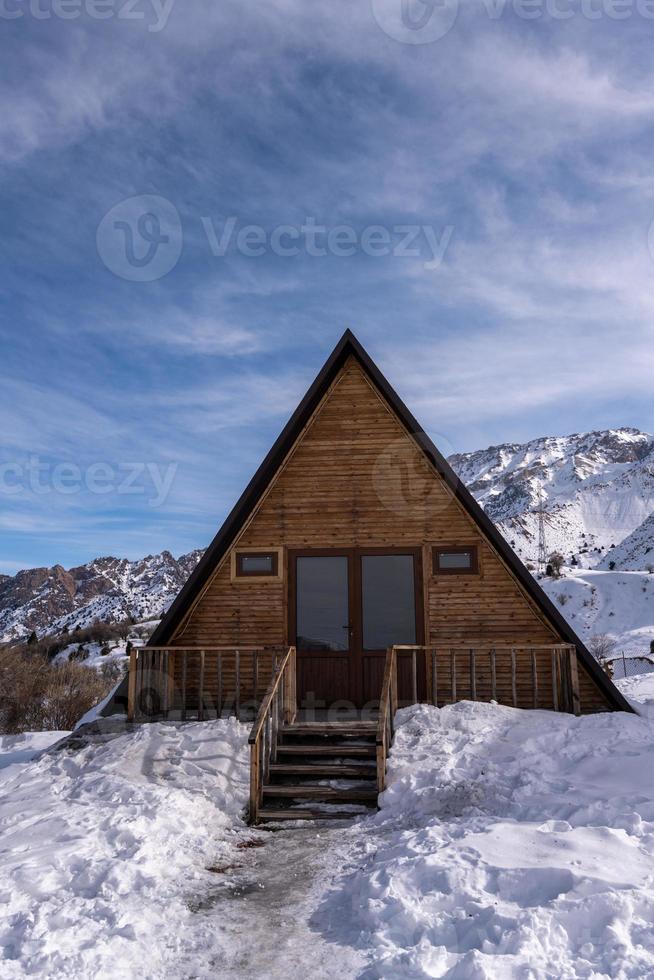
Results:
349 346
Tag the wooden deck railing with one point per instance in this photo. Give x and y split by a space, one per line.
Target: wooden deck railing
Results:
199 682
535 676
386 720
279 707
523 677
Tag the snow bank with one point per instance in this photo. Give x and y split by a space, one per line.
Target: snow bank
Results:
104 851
16 750
510 844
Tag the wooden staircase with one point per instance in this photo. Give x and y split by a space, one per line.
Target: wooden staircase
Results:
312 770
321 771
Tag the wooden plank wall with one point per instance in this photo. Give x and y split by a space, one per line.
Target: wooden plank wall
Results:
355 479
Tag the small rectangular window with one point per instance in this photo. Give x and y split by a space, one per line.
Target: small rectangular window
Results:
455 560
259 563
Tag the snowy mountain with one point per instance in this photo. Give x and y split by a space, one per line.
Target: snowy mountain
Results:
109 589
598 499
636 551
597 490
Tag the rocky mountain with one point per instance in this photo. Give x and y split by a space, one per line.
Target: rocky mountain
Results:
48 600
597 491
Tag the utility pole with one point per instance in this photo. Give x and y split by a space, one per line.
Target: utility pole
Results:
542 543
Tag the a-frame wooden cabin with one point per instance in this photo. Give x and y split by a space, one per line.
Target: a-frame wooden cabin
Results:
355 536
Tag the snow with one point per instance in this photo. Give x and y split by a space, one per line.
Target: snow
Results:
104 849
15 750
618 603
93 655
509 844
94 714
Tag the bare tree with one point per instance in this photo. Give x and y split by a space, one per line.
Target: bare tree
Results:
601 645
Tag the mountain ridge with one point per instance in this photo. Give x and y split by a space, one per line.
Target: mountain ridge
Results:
597 489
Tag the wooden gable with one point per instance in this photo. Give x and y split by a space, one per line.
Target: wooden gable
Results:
355 476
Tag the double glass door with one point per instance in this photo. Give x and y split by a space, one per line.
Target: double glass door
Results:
345 608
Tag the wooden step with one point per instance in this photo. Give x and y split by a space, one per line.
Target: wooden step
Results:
304 813
321 771
362 729
347 751
305 792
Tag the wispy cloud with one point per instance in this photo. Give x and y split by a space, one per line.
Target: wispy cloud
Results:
532 140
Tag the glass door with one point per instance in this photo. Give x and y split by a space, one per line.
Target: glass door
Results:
321 626
322 603
391 613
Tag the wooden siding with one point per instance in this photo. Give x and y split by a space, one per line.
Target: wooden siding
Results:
356 479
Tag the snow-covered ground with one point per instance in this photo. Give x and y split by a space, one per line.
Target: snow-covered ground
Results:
512 844
618 603
16 750
91 654
509 844
106 850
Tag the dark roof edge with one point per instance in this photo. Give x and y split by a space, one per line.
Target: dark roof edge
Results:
348 344
247 501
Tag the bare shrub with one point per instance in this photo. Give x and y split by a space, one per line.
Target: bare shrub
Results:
555 564
71 690
562 598
601 645
36 695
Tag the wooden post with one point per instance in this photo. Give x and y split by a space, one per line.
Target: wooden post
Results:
414 675
219 692
555 686
146 658
165 682
131 686
294 684
473 677
254 782
237 669
394 702
381 767
170 700
534 677
574 682
184 671
514 688
201 689
453 674
434 678
255 679
274 715
493 676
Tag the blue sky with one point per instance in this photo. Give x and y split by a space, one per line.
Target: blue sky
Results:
524 146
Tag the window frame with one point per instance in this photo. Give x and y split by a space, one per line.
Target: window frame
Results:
240 575
455 549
